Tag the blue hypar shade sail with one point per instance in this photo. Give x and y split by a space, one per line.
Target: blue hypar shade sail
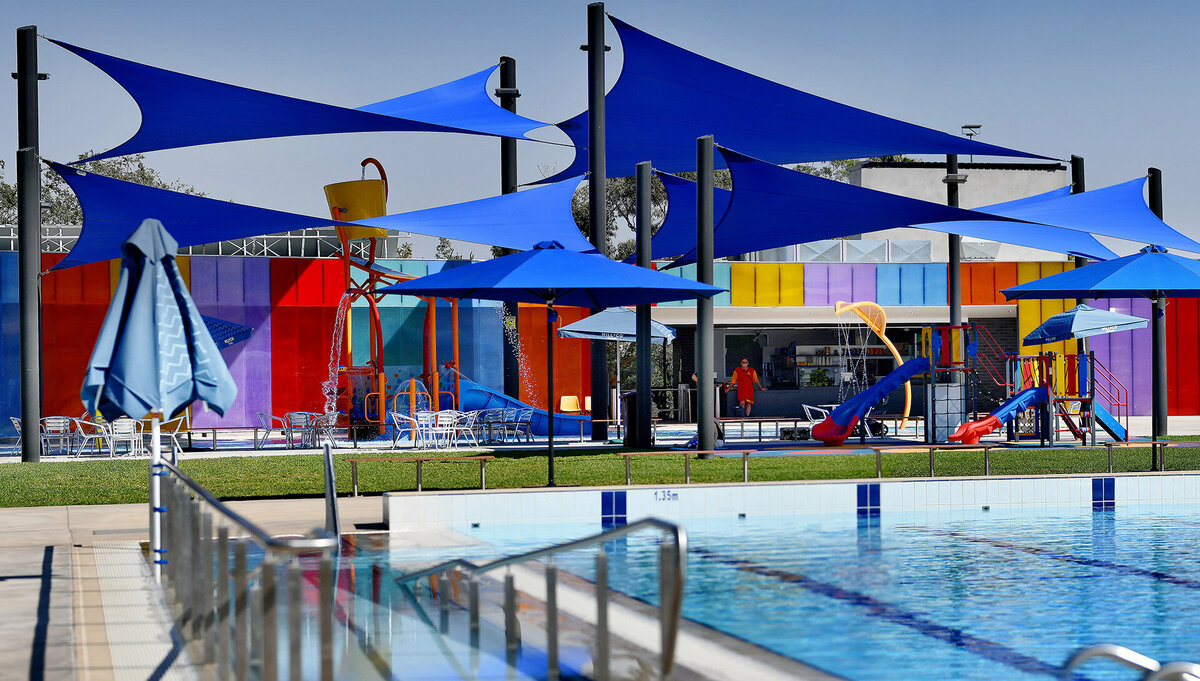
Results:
773 207
226 334
614 324
666 97
113 208
153 353
1151 273
179 110
517 220
677 234
1082 321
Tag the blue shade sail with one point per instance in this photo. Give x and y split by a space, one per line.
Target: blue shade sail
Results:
517 220
549 273
179 110
1082 321
667 97
773 207
112 209
677 233
226 334
615 324
1151 273
153 353
1118 211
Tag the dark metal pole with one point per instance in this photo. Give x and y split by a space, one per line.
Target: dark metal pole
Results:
705 402
1158 334
597 209
642 437
508 93
29 240
550 317
1078 186
954 279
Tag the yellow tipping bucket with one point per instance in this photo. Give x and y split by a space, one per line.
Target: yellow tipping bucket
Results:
356 200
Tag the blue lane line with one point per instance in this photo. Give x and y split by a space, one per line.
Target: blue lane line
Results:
894 614
1060 556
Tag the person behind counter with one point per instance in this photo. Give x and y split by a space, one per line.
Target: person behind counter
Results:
744 379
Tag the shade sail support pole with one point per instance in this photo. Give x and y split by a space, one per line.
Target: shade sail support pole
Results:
29 240
705 397
641 438
1158 334
1079 186
508 93
954 268
597 209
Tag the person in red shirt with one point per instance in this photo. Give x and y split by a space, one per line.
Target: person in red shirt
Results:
744 379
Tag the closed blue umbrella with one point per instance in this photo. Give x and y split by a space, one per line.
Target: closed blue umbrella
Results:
153 353
553 275
1082 321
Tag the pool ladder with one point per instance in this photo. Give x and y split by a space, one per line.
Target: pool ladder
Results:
1154 671
672 569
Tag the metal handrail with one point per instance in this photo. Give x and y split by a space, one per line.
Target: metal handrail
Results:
320 540
671 582
1154 671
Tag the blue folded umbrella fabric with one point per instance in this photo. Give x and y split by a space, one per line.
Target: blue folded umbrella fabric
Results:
1082 321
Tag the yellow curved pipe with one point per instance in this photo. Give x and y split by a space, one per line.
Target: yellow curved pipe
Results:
876 320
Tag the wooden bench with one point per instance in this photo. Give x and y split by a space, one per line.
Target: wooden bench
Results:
741 422
987 447
420 460
1158 449
687 459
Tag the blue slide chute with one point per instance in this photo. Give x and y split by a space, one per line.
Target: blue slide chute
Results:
475 396
838 425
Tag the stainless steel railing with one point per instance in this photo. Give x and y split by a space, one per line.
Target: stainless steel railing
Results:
1153 670
229 613
672 573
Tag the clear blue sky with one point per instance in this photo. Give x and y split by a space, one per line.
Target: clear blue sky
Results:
1114 82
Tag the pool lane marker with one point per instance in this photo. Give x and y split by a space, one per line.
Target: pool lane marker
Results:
1059 556
894 614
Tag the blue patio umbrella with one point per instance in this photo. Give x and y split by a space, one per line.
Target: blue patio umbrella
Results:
552 275
614 324
1151 273
154 353
1082 321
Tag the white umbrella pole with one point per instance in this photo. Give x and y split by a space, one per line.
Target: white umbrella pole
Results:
155 496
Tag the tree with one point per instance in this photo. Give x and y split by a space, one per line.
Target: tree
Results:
445 250
63 208
404 250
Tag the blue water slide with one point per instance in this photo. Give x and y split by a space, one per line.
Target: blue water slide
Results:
475 396
858 405
1109 422
1020 402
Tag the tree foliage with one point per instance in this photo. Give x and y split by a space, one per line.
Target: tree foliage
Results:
60 207
445 250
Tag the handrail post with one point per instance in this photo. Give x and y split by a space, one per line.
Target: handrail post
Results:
552 670
207 555
221 621
270 619
241 612
687 468
325 584
295 622
600 663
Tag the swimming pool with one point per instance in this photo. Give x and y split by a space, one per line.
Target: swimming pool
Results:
930 592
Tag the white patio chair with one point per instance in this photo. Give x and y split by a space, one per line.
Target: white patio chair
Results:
299 428
91 433
426 430
268 421
128 432
403 423
322 427
445 429
510 423
524 425
465 427
493 425
17 424
56 434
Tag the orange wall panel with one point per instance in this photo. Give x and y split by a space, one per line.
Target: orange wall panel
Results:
572 359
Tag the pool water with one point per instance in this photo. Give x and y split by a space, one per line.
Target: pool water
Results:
965 594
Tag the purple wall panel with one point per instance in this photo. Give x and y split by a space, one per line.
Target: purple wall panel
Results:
816 284
1127 353
238 290
826 284
862 282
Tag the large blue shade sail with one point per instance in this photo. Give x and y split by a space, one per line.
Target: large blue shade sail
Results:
549 273
1082 321
154 353
179 110
517 220
1118 211
772 207
666 97
1151 273
112 209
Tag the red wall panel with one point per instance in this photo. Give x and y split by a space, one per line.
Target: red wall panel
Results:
1183 356
304 296
572 360
74 302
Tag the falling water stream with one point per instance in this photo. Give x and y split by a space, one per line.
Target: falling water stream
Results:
329 385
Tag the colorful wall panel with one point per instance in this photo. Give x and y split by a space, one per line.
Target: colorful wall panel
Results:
238 290
1127 353
910 284
721 279
572 361
1031 313
766 284
304 298
74 302
1183 356
10 344
825 284
983 281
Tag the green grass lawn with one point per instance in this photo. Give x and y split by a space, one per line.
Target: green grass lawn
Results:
265 476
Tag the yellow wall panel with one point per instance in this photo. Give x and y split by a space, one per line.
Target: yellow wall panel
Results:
741 284
1031 314
766 284
791 284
